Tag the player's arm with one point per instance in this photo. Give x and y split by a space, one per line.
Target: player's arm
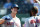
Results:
2 21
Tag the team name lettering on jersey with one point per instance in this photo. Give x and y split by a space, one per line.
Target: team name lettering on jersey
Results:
33 21
9 23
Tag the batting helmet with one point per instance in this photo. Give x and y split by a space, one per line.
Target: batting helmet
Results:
14 5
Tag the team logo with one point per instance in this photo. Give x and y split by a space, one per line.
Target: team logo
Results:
32 21
9 23
35 21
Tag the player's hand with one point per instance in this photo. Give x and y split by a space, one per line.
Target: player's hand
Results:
2 21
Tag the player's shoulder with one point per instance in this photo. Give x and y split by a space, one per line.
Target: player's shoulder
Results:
27 19
17 18
38 17
6 16
31 17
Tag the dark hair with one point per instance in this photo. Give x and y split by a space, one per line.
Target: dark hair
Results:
34 10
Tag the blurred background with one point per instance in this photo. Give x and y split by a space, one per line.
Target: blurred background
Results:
24 8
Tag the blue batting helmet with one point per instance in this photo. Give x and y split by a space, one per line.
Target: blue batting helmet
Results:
14 5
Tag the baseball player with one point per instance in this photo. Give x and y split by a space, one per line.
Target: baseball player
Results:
11 20
38 6
36 3
34 20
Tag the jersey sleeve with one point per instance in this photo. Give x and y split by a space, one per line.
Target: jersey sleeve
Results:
26 24
3 17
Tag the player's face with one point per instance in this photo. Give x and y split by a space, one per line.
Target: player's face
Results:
33 13
14 10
